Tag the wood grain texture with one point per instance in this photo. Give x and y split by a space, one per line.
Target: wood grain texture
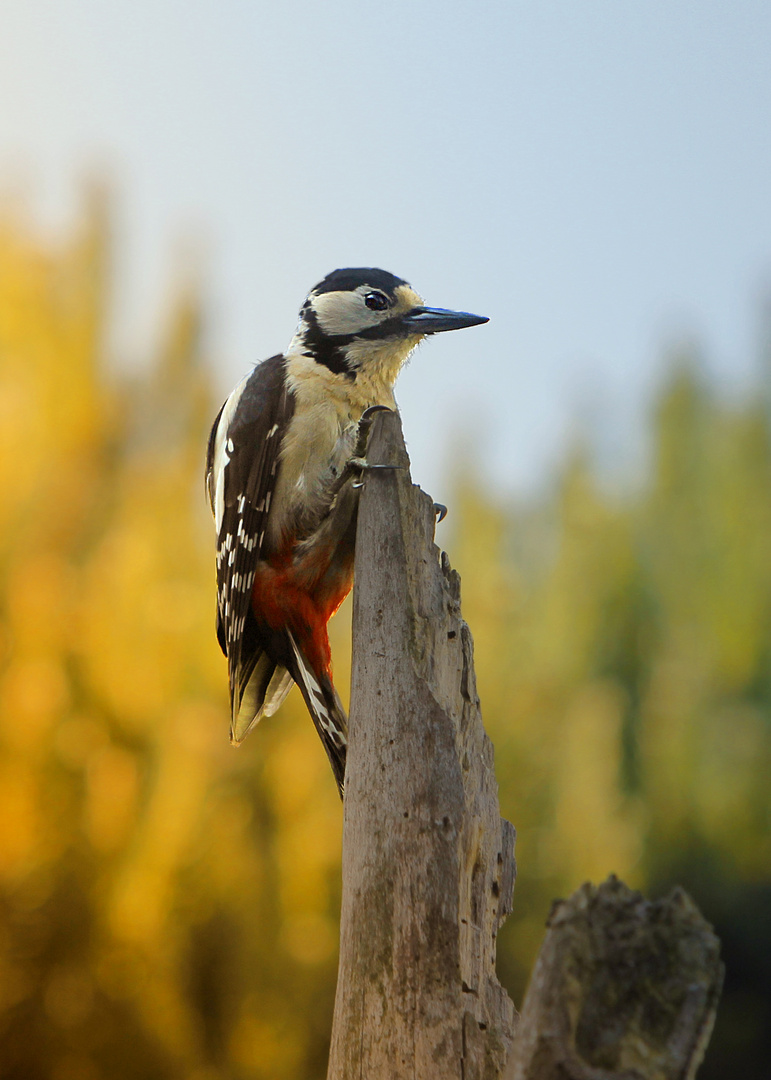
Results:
623 989
428 863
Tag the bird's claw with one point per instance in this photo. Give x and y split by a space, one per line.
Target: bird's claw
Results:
358 463
370 413
361 466
441 512
365 423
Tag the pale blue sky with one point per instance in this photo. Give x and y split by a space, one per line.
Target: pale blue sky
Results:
594 176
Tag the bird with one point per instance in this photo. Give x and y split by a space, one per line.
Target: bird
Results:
284 467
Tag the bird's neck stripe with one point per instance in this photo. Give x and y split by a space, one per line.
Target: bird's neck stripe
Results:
329 351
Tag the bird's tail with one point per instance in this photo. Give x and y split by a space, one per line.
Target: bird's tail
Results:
256 691
326 711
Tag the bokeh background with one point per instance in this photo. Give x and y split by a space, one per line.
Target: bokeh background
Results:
173 178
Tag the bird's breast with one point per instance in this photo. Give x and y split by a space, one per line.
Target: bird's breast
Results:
315 451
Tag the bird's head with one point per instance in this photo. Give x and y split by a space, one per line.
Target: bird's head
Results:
366 320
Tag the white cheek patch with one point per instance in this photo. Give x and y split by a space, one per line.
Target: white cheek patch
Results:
345 313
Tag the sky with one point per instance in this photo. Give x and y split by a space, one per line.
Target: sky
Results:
595 177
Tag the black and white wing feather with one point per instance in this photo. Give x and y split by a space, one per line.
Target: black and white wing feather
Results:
241 469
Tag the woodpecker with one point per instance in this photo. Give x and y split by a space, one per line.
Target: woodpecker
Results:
283 473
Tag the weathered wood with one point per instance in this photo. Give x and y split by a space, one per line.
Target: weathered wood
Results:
623 989
428 863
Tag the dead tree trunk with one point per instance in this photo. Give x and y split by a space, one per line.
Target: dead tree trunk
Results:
428 863
622 990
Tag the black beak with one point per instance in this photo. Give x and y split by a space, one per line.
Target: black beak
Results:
434 320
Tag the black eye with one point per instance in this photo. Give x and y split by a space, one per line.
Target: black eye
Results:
376 301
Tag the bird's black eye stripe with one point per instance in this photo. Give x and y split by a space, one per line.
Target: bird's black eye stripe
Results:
376 301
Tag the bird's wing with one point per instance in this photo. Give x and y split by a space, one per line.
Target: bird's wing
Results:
241 470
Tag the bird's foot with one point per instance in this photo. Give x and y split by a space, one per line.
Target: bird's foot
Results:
357 465
441 512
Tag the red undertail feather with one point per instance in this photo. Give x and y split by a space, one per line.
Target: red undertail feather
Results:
301 604
303 600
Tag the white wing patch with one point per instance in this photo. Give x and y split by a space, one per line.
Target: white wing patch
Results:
223 448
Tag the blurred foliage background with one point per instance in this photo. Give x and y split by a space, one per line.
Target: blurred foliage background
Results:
169 907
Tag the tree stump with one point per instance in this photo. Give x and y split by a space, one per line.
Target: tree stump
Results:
622 989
